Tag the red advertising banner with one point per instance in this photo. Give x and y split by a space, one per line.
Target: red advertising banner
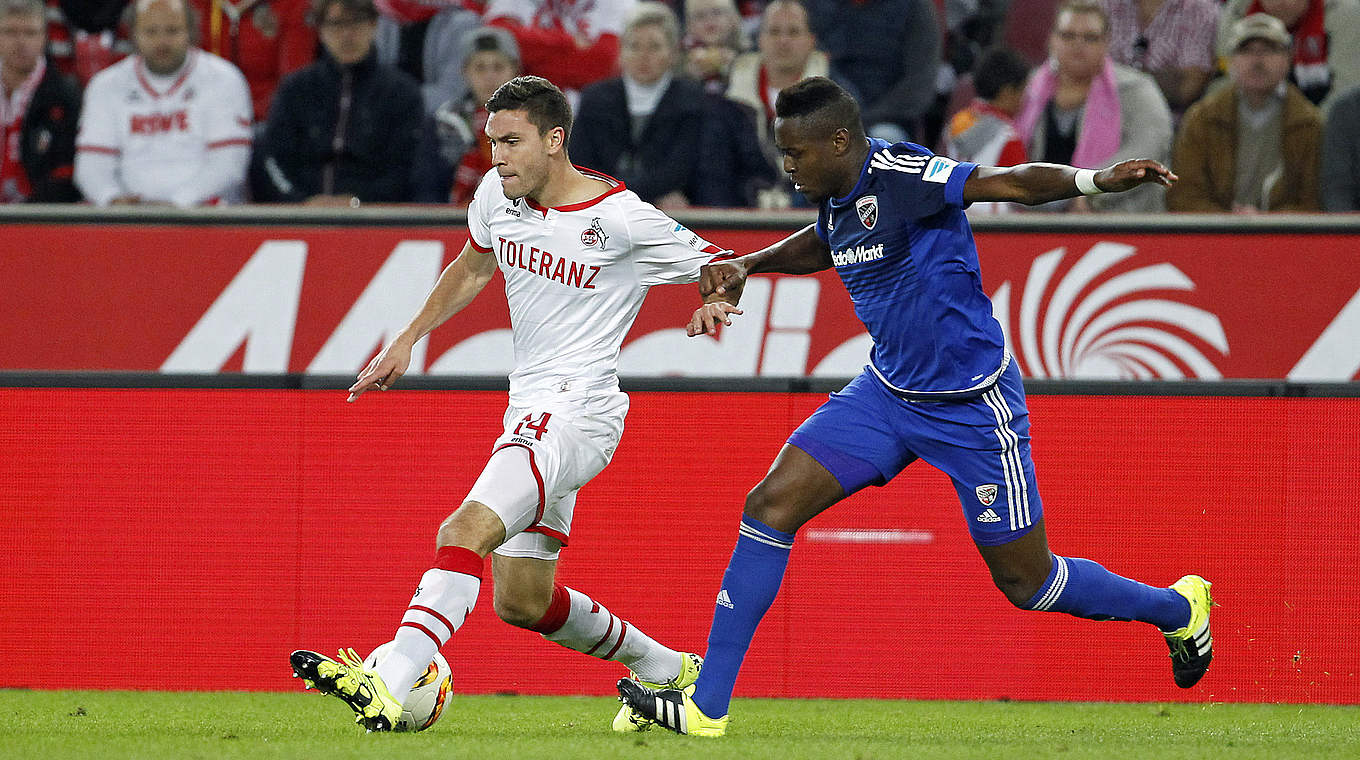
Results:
322 300
189 539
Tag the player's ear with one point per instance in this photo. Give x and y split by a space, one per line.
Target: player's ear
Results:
840 141
556 140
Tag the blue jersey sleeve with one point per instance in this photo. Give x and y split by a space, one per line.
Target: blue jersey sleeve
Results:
939 184
930 182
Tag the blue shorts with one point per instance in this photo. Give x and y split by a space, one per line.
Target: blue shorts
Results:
864 435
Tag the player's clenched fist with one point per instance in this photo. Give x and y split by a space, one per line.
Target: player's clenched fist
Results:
721 278
707 317
1127 175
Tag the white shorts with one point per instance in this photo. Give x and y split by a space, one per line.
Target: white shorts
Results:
537 466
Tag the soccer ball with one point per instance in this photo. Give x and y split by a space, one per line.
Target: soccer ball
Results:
426 700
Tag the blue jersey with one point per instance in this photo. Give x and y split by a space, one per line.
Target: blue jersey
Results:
902 245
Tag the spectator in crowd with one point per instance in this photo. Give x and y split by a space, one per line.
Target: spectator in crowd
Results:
1252 146
265 39
786 52
734 171
572 43
643 127
87 36
39 108
423 38
647 126
461 150
1082 108
971 27
346 128
1326 35
984 131
170 125
713 39
1172 40
890 51
1341 154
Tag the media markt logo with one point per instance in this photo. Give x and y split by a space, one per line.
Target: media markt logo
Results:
1100 321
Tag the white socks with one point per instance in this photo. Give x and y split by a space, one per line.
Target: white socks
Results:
578 622
446 594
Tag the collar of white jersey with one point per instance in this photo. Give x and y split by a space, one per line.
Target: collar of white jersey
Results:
615 187
187 68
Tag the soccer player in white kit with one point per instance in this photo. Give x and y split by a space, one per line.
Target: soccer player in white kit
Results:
578 252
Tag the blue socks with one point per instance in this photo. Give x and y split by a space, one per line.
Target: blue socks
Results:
748 589
1083 588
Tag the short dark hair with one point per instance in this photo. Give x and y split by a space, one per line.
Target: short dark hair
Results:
362 8
544 104
998 68
823 102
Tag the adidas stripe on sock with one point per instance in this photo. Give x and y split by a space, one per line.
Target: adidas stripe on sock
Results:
749 587
1083 588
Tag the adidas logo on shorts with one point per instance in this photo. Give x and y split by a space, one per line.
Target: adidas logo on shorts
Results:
990 516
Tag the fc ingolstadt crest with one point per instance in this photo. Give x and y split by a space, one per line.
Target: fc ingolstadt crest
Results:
867 208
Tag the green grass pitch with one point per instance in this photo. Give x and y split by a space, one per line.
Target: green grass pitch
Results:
160 725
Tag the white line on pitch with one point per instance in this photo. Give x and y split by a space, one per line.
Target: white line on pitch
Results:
862 536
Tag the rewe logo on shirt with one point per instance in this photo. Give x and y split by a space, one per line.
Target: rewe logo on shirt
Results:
157 123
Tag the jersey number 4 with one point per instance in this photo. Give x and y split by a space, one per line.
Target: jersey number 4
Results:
539 426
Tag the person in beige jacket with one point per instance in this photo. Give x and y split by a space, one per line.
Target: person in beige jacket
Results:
1254 145
786 53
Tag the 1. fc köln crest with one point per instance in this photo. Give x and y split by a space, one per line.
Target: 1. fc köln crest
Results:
867 208
986 494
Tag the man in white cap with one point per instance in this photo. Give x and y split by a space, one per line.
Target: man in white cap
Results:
1252 146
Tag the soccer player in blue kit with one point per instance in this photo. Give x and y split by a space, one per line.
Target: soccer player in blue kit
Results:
940 386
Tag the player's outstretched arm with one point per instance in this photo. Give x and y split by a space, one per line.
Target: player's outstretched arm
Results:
803 252
460 282
1035 183
721 283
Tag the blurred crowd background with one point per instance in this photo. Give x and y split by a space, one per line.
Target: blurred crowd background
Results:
1255 104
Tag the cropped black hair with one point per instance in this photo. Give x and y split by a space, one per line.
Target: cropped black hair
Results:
825 104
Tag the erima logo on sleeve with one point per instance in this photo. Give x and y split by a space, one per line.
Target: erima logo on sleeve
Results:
939 169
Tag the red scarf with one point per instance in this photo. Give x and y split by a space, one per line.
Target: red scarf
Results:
1310 33
475 164
14 185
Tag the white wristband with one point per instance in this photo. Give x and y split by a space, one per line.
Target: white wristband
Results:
1086 182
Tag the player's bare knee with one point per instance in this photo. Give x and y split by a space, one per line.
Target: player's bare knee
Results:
520 611
472 526
1017 587
767 505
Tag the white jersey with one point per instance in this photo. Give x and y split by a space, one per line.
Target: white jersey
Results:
575 277
183 139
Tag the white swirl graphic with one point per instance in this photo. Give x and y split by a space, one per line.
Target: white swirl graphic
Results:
1091 329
